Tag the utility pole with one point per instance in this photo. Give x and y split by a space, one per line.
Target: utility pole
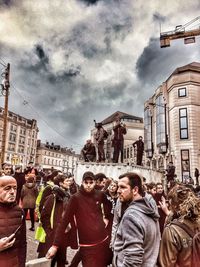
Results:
5 90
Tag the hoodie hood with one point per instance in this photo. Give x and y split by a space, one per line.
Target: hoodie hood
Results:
146 205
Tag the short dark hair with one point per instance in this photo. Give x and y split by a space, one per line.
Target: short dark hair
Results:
59 179
134 180
100 176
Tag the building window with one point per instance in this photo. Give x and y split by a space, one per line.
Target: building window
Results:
11 147
13 128
22 140
131 152
23 131
183 122
128 153
124 153
161 139
185 164
12 137
21 149
181 92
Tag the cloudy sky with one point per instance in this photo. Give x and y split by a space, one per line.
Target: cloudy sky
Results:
73 61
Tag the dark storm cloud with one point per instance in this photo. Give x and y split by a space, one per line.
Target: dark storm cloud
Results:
4 3
89 2
163 61
159 17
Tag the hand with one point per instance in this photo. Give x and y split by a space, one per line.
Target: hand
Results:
106 221
7 242
51 252
164 206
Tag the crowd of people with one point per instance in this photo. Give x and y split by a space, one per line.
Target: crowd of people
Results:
117 222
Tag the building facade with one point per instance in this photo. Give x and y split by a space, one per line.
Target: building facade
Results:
171 124
21 139
135 128
54 156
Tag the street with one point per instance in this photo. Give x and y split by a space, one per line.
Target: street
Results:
32 245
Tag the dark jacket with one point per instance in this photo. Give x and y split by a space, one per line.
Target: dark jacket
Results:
20 178
11 217
68 238
140 146
119 132
89 210
28 195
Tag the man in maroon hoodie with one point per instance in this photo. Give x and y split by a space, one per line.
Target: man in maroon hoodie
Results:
91 210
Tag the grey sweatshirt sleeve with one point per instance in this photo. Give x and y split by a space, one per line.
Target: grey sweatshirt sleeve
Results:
132 236
116 220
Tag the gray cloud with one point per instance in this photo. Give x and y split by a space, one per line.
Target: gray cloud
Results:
79 60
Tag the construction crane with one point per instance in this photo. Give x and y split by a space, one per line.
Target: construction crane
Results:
181 32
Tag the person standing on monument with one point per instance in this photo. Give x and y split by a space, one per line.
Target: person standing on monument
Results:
140 149
119 130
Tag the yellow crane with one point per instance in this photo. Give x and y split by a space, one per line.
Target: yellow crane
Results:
181 31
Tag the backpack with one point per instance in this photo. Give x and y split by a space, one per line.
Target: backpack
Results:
105 134
195 243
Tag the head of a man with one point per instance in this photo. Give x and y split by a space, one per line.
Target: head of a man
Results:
89 141
159 188
130 187
88 182
140 137
63 181
101 180
18 169
8 189
7 169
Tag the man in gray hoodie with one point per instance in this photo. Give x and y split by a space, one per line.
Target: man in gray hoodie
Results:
138 235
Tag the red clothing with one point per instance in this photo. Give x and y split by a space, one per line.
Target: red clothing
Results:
11 217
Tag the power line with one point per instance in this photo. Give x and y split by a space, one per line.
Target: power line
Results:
2 62
25 102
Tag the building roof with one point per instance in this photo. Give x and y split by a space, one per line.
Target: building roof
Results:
194 66
121 115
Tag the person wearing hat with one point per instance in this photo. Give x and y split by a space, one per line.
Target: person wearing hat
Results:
89 152
119 130
140 149
99 140
91 210
20 178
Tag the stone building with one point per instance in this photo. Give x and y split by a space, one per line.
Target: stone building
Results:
21 139
135 128
54 156
171 122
